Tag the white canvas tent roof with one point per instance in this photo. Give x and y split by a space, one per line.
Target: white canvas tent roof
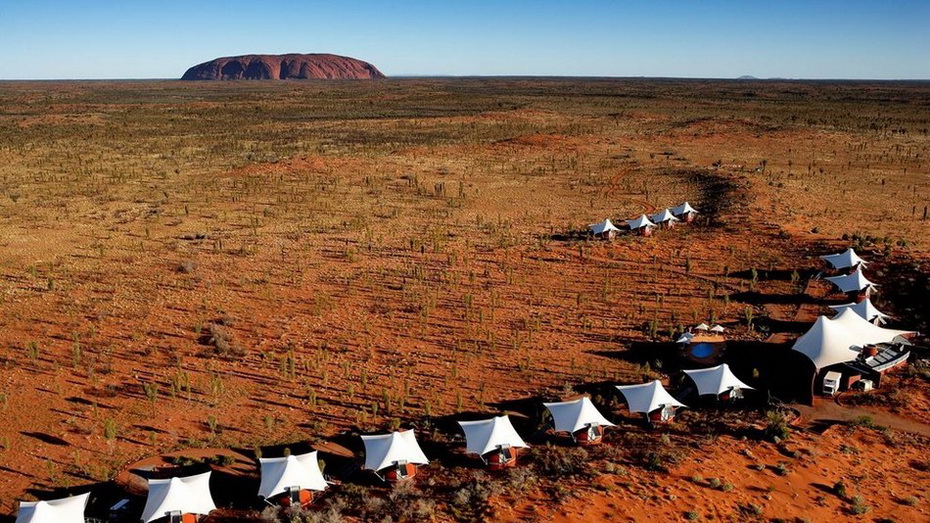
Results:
384 450
717 328
484 436
664 216
572 416
639 223
601 228
845 259
702 327
190 495
856 281
301 471
831 340
715 380
647 397
865 309
683 209
65 510
686 337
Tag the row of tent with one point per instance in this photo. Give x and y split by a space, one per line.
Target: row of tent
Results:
855 281
644 224
841 339
395 455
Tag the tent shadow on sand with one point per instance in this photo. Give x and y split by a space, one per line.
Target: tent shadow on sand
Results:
775 274
761 298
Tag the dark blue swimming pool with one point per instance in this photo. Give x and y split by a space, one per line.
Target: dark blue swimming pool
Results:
702 350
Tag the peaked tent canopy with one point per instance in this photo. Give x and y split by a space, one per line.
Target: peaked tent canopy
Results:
702 327
684 208
865 309
664 216
572 416
603 227
190 495
648 397
65 510
831 340
854 282
384 450
717 328
716 380
844 260
685 338
488 435
301 471
639 223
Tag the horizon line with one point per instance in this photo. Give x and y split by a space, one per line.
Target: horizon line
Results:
744 78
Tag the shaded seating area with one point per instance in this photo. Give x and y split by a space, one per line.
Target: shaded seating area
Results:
580 418
652 400
64 510
393 457
718 381
494 440
291 480
178 500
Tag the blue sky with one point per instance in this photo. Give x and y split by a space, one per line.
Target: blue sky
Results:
45 39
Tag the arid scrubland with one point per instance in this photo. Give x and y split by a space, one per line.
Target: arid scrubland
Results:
247 264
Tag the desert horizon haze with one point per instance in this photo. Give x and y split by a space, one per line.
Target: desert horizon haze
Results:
831 39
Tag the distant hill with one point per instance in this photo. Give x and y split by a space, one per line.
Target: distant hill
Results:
747 77
283 67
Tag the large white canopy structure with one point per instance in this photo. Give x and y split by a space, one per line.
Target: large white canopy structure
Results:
639 223
300 471
572 416
683 209
65 510
385 450
716 380
664 216
836 340
717 328
865 309
603 227
685 338
844 260
702 327
190 495
648 397
854 282
488 435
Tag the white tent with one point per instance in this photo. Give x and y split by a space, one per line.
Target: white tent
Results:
664 216
603 227
835 340
865 309
702 327
716 380
572 416
717 328
856 281
686 337
301 471
488 435
639 223
683 209
190 495
65 510
385 450
648 397
845 259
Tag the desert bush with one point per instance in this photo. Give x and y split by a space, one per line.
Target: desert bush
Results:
777 427
470 502
561 462
222 341
839 488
